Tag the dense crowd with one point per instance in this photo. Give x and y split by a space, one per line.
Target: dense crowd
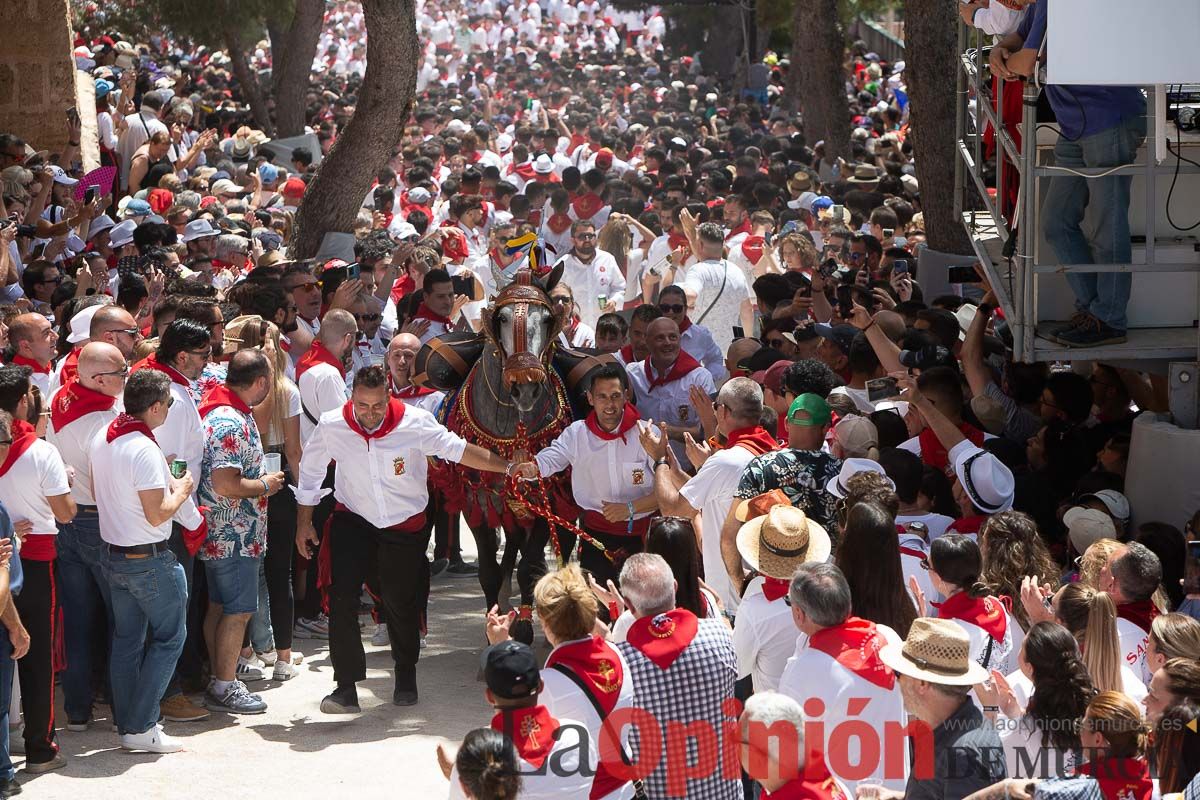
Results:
823 510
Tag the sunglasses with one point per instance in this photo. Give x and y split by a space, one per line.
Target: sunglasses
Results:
206 353
124 373
586 237
56 281
561 301
776 343
127 332
671 308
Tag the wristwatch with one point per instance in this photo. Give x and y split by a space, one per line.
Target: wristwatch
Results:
659 462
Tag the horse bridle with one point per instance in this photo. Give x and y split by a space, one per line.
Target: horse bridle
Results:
522 365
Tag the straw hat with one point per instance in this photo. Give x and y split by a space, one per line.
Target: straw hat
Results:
781 540
936 650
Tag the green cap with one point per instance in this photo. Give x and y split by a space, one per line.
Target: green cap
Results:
818 410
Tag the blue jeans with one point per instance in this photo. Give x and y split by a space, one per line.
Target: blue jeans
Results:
147 592
261 635
7 665
84 596
1104 295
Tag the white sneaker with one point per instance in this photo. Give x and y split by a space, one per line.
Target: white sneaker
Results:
284 671
380 637
268 658
422 642
249 669
152 741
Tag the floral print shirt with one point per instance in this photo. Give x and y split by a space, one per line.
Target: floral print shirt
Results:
802 475
236 526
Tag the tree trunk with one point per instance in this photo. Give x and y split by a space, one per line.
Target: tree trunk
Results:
930 58
816 80
247 80
332 200
720 54
293 46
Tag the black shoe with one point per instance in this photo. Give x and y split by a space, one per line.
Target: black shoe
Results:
404 697
438 566
1092 333
462 569
522 631
58 762
9 787
342 700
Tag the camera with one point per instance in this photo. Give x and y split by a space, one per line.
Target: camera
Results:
928 357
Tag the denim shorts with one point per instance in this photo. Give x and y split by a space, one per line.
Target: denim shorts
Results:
233 583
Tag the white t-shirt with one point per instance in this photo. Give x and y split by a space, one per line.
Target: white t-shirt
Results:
764 637
39 473
130 464
711 491
704 279
272 437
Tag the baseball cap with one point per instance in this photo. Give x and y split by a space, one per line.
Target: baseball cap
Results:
60 176
1086 526
772 377
137 208
815 406
1116 503
419 196
268 172
293 187
510 670
841 334
225 186
760 360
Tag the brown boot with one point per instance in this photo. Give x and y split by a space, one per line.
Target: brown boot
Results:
178 708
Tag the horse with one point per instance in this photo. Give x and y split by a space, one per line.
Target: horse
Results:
511 389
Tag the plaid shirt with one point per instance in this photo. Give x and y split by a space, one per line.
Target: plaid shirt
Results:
691 690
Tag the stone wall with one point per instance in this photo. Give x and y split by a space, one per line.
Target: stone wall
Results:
37 71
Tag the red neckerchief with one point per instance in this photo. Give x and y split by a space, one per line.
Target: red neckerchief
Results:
627 354
664 637
408 392
402 287
781 431
985 612
525 171
855 644
391 420
317 353
678 240
558 223
531 731
1121 778
593 660
683 326
70 367
752 248
816 784
743 228
936 456
221 395
22 361
425 312
774 588
151 362
23 436
123 424
629 418
587 205
1141 613
75 401
968 525
569 331
756 440
682 366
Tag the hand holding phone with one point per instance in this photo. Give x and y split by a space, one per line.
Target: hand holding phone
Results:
845 301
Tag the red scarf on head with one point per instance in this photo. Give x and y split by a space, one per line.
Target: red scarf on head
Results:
402 287
558 223
317 353
124 424
587 205
391 420
682 366
70 367
855 644
664 637
425 312
595 661
1141 613
629 418
936 456
23 436
774 588
757 440
531 731
1121 778
22 361
75 401
151 362
221 395
408 392
985 612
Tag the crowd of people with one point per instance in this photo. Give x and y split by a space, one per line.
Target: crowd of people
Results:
826 513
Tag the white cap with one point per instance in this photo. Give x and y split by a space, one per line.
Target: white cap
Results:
225 186
61 176
504 142
457 127
399 229
900 406
419 196
543 165
99 225
1086 526
850 468
1116 503
121 235
199 229
988 483
81 324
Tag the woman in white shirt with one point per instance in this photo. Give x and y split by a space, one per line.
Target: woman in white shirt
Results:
1040 733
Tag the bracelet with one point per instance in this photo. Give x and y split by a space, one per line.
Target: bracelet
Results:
661 462
629 523
266 488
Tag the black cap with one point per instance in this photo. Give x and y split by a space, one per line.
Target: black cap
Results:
840 334
761 359
511 670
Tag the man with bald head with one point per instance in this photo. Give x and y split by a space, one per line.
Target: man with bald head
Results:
68 366
321 371
663 385
79 412
739 351
32 339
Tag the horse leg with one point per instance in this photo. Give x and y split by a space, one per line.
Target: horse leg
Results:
487 543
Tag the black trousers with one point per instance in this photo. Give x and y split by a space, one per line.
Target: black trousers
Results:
360 550
308 604
619 545
446 535
277 564
37 604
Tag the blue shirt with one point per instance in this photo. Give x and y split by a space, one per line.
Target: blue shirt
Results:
1081 110
16 576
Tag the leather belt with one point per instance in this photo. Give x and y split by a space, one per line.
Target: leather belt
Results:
152 549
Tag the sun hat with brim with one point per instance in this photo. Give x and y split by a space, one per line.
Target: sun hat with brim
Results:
864 173
988 483
756 506
225 186
1116 503
81 325
1086 526
543 165
836 486
781 540
937 651
818 411
99 225
199 229
122 234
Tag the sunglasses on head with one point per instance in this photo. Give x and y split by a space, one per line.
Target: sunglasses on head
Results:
671 308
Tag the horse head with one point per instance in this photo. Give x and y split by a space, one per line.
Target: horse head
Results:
522 326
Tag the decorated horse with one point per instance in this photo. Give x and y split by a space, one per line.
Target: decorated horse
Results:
512 389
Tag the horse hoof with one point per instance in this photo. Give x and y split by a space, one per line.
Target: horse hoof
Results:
522 631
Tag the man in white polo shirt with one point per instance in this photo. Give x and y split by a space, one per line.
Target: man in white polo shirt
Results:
138 498
381 447
79 410
35 490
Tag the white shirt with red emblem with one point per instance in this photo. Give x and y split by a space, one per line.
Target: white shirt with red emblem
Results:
669 402
615 471
601 276
764 636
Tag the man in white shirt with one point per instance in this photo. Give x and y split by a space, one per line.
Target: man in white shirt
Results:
138 498
379 527
591 273
321 371
32 339
718 289
78 411
1130 576
696 340
611 475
